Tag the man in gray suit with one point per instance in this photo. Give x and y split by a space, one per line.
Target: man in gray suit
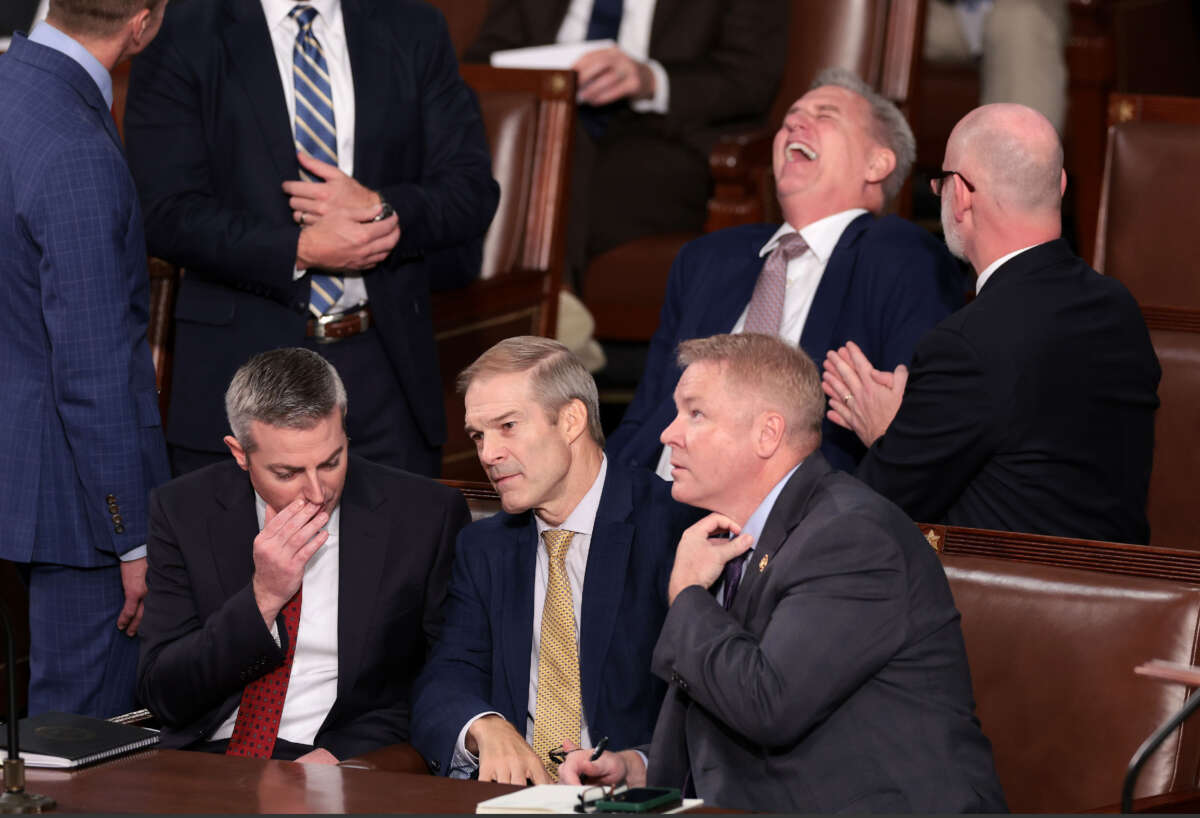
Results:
827 672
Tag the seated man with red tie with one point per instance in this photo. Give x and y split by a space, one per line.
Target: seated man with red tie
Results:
294 590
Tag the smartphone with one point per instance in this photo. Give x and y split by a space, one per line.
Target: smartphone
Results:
383 213
641 799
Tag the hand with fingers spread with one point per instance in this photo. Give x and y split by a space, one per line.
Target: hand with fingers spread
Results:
133 582
610 74
703 552
611 769
281 551
347 240
861 398
312 201
504 755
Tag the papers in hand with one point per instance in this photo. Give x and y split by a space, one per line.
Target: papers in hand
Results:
550 798
559 56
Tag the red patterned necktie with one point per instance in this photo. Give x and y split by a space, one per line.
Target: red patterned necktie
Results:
765 313
257 724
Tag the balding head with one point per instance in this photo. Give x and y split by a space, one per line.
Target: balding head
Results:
1012 158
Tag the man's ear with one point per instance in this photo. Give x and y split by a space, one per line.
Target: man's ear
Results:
769 431
880 164
239 454
573 419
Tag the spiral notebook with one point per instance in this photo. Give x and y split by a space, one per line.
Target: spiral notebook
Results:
65 741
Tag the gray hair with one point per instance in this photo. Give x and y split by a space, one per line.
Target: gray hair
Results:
891 128
781 376
557 377
289 388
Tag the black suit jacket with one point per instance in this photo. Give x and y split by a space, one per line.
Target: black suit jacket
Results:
210 143
838 680
723 58
1030 409
203 638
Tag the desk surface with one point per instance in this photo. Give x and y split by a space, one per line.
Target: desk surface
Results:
177 781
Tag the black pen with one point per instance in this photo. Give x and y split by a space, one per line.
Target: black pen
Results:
600 745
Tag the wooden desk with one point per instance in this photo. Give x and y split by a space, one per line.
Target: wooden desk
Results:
173 781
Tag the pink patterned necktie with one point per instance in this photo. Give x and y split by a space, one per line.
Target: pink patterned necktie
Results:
765 314
257 724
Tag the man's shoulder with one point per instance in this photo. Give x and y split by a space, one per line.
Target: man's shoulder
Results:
397 484
736 241
202 486
841 507
889 233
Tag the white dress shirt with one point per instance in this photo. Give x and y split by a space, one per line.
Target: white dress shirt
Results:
581 521
995 265
637 18
312 687
803 277
331 34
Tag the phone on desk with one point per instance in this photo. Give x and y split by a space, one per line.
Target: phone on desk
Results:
641 799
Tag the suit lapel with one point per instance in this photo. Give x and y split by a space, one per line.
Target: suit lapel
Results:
251 58
831 291
604 586
515 567
372 90
785 515
362 552
735 287
232 531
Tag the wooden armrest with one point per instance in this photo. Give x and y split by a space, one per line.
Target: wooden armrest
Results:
740 164
394 758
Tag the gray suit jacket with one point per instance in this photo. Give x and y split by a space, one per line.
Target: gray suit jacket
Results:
838 680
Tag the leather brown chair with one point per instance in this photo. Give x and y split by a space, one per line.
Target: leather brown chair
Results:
529 116
877 39
1053 629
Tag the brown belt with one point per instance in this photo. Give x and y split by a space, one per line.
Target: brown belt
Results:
329 328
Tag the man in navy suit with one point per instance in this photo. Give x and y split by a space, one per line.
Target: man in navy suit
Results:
827 673
554 605
1031 408
82 446
218 111
842 153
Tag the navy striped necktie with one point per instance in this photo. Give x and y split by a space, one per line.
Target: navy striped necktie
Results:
316 131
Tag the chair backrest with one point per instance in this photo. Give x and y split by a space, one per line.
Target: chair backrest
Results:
529 117
1145 234
1053 629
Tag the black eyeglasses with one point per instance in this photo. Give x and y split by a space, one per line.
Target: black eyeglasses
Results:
937 179
589 797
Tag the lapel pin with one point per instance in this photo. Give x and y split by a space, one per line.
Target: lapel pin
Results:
762 564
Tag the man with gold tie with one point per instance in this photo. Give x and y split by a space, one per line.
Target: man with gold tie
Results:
554 604
315 167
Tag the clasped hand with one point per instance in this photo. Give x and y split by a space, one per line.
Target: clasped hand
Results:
610 74
861 398
337 216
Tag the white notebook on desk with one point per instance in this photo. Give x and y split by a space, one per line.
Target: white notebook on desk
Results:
557 799
559 56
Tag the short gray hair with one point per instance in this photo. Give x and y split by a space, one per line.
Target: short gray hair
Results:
557 377
290 388
780 375
891 128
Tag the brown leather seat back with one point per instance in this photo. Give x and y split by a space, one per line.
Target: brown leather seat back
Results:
1172 506
1052 652
1146 233
510 118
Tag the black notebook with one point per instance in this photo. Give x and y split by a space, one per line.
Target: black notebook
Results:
64 741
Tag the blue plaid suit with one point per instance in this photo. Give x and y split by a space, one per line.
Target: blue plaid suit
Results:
80 445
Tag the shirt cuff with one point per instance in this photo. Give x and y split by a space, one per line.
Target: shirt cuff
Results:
275 634
464 762
298 274
660 102
134 554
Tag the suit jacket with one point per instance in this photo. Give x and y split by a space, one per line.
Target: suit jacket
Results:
1030 409
723 59
837 682
203 637
82 444
886 283
482 661
210 143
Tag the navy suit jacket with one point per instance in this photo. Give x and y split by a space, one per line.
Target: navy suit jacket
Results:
837 681
886 283
210 143
79 401
1030 409
203 637
482 661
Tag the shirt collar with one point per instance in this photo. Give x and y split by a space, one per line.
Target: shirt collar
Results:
821 236
329 15
260 509
49 36
996 265
582 518
758 520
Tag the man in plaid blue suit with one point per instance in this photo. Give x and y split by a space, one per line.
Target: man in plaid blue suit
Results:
82 445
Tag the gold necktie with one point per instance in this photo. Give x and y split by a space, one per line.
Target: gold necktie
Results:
558 701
